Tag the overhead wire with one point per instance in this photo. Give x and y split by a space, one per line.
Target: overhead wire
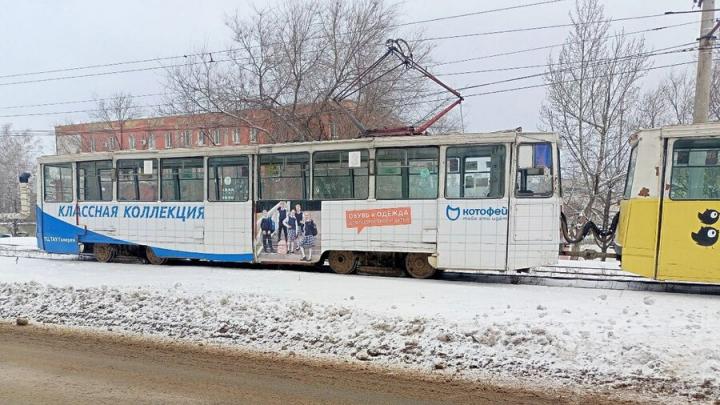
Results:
515 52
410 23
228 50
413 103
159 59
500 91
432 65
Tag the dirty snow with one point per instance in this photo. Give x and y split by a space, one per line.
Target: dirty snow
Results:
661 346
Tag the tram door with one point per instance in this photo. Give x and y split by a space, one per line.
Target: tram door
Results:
534 233
473 213
690 221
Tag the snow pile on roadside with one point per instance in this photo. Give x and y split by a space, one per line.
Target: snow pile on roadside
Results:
665 357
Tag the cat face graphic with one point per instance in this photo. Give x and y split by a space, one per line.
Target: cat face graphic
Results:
452 213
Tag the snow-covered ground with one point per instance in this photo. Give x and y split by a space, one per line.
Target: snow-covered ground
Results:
656 345
18 243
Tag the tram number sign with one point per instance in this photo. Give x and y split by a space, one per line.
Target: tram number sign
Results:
361 219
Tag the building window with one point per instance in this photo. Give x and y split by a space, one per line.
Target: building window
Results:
137 180
236 135
182 179
112 143
131 141
696 170
216 137
92 145
253 135
475 172
228 178
186 139
94 180
534 170
333 130
201 137
57 183
285 176
151 141
168 140
340 175
406 173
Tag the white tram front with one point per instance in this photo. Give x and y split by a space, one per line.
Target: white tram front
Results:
457 201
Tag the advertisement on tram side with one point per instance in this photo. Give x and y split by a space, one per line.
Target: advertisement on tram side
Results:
288 231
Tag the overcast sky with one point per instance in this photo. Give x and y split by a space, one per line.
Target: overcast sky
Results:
43 35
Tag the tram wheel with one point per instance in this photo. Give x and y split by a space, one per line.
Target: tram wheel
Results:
152 258
417 265
343 262
104 253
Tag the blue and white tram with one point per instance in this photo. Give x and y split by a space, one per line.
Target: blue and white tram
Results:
457 201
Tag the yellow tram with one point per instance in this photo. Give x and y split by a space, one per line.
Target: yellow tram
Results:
670 213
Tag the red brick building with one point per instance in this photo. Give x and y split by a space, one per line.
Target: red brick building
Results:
189 131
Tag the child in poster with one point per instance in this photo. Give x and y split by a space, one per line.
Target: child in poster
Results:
267 227
308 241
290 223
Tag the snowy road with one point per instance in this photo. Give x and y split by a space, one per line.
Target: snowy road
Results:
624 343
47 365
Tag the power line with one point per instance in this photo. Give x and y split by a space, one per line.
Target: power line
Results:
591 63
541 27
656 52
663 51
94 100
534 86
556 45
479 13
97 74
508 90
229 50
235 49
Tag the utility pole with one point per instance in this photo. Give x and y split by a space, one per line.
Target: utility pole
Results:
704 66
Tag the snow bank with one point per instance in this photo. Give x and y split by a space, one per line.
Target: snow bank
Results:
662 346
19 243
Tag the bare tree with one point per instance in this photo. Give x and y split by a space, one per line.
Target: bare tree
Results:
651 110
715 95
113 113
679 92
289 61
671 101
18 153
592 88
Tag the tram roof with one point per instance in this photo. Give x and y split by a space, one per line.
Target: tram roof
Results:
368 142
710 129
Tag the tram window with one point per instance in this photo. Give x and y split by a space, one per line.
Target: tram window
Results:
94 180
696 170
406 173
631 172
57 185
137 180
182 179
285 176
228 178
534 170
334 179
475 172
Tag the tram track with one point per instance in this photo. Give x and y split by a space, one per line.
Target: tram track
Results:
603 278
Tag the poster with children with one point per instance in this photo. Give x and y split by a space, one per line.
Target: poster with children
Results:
287 231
